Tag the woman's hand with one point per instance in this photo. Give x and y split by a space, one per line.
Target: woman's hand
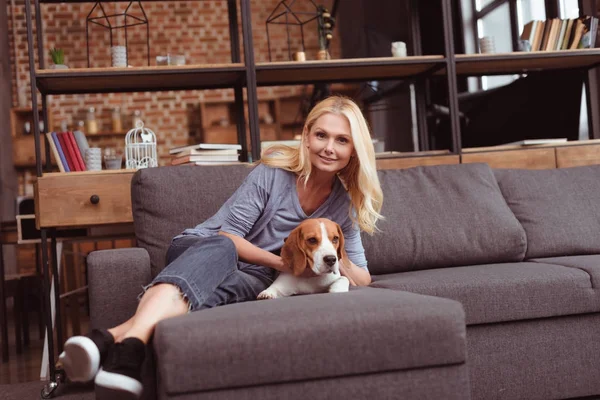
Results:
356 275
344 272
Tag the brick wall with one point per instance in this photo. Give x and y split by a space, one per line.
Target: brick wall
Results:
197 29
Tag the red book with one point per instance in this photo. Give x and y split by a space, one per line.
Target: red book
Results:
66 151
76 150
72 153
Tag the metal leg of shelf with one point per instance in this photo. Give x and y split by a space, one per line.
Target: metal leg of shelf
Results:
415 28
241 122
238 89
250 80
3 317
46 129
591 104
421 121
451 76
233 31
34 103
47 303
514 25
39 29
56 276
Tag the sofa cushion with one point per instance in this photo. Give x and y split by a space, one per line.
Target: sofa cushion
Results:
308 337
165 201
589 264
504 292
559 208
443 216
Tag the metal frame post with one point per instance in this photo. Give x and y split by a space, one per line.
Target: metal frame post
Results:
420 84
451 76
250 80
238 90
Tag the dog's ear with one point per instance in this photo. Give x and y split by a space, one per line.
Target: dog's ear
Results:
293 253
341 250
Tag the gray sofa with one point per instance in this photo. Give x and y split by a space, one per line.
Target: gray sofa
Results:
485 286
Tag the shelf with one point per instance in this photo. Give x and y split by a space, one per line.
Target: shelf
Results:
523 62
119 80
106 133
92 1
346 70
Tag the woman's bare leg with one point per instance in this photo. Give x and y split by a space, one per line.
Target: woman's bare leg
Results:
160 302
118 331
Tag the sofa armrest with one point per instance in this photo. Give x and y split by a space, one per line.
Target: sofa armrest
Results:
115 279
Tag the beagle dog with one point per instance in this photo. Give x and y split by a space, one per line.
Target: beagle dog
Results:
317 245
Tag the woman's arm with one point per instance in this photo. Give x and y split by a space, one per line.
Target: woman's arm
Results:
355 274
251 254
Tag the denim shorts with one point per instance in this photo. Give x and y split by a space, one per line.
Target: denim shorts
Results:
208 273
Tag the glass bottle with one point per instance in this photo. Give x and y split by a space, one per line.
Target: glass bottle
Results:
80 126
91 123
117 126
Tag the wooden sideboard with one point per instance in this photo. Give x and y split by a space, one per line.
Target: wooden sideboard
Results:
96 198
81 199
569 154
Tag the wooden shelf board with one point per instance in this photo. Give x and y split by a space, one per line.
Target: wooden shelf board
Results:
76 173
92 1
119 80
346 70
588 142
523 62
106 133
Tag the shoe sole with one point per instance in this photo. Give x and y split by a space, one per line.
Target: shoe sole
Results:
80 359
113 386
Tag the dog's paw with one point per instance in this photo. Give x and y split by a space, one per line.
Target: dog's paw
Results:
267 294
341 285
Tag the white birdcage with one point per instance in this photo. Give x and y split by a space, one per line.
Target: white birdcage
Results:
140 147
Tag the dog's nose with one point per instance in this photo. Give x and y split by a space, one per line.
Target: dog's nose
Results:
330 260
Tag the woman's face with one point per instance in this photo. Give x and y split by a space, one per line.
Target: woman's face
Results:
330 143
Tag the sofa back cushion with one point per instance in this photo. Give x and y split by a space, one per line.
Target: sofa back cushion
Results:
559 208
443 216
167 200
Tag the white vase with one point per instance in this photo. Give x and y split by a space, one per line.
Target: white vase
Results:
58 66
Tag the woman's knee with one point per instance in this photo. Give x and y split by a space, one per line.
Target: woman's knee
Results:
217 243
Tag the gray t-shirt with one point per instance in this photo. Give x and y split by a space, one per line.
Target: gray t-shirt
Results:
265 209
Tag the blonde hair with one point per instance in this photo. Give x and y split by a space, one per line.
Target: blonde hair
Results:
359 176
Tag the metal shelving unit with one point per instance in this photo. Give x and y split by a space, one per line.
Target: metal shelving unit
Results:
122 80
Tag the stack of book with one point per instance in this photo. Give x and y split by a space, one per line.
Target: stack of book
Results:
68 149
205 154
561 34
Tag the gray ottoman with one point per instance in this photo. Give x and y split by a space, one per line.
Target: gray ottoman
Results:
368 343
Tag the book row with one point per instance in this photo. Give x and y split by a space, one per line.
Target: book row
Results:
561 34
68 149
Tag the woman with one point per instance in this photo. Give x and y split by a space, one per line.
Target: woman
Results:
233 256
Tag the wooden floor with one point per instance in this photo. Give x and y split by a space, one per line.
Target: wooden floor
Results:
25 367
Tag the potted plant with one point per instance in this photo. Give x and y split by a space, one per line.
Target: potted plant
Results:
58 58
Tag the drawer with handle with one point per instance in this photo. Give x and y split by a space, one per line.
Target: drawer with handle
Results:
83 198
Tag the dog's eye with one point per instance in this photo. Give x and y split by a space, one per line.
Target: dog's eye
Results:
312 240
336 239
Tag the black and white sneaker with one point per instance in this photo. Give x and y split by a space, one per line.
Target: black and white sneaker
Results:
83 355
120 376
